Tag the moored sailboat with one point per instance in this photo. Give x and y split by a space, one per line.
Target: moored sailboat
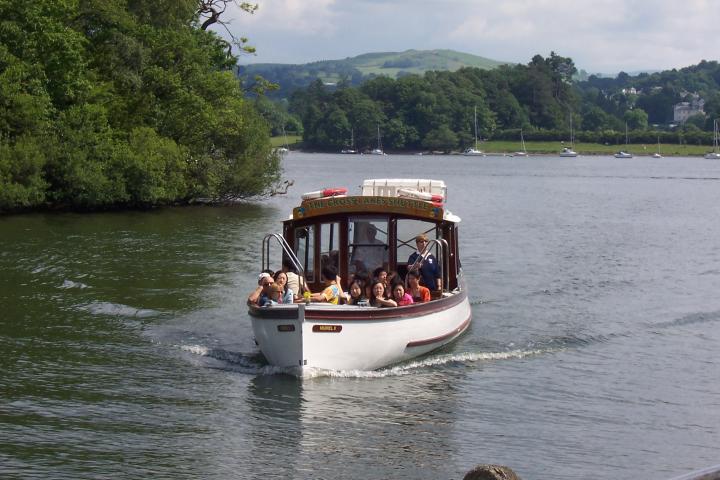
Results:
715 154
624 153
568 151
351 148
470 151
523 151
657 154
379 150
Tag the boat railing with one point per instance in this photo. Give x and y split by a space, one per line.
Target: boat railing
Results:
442 245
287 251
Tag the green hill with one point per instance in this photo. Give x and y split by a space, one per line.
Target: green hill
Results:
356 69
417 61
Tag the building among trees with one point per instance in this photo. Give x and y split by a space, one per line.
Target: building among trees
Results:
684 110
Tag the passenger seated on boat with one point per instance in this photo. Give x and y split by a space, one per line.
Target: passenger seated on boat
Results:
381 274
364 280
264 281
281 279
400 296
274 296
379 296
429 270
295 282
356 296
331 292
393 277
418 293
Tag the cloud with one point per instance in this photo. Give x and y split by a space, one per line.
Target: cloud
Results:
600 35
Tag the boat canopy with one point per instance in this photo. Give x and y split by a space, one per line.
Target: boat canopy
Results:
377 228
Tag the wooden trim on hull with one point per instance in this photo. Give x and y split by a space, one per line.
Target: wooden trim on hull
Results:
429 341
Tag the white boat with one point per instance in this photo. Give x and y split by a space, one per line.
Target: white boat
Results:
715 154
474 151
351 149
657 154
624 153
523 152
378 150
304 336
568 151
285 149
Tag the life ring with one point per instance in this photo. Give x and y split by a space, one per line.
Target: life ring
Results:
418 195
326 192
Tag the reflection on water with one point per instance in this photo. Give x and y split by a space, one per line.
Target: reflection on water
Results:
369 427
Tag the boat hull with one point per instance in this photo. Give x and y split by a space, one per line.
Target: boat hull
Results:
349 337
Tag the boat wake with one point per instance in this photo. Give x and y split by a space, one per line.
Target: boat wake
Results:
255 364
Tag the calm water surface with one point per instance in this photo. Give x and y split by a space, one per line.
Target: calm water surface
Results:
127 350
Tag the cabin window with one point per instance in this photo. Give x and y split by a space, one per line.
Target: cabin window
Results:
330 245
305 250
407 230
368 244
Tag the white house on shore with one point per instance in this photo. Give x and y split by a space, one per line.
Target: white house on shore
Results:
684 110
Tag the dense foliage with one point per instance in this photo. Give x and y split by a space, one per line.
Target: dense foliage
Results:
436 111
122 103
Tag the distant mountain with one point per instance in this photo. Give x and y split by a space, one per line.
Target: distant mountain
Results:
356 69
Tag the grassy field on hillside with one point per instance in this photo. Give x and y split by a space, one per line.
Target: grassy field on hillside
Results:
280 141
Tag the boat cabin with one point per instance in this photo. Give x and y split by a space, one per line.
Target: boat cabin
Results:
376 228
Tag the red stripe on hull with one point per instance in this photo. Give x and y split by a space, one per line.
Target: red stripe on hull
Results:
429 341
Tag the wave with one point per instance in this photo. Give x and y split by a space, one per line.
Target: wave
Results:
116 309
70 284
255 364
690 319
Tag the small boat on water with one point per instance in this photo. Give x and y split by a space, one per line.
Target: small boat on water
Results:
715 154
350 150
624 153
523 151
568 151
474 151
354 234
379 150
657 154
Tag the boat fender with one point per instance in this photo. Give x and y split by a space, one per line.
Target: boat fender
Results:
326 192
417 194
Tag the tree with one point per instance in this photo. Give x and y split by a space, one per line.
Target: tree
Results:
636 119
123 102
441 138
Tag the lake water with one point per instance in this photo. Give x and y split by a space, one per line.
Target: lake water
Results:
127 350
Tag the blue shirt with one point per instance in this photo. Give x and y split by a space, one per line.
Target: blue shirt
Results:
429 270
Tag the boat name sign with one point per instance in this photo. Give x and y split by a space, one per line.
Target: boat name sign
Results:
330 205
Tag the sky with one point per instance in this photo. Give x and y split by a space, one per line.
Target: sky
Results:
601 36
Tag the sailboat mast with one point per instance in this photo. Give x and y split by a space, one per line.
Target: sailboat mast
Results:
475 115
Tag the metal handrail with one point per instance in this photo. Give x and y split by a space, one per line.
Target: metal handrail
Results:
444 248
286 251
